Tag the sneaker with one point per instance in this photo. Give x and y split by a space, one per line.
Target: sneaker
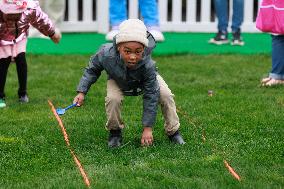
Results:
2 103
220 38
115 138
110 35
24 99
176 138
156 33
237 39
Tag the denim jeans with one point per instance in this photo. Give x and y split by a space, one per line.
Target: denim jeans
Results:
277 71
148 8
221 7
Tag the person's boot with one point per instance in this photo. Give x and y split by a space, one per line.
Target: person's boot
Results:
176 138
115 138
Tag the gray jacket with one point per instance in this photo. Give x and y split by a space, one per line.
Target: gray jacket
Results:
140 80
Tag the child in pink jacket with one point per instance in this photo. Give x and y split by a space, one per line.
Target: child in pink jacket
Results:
16 16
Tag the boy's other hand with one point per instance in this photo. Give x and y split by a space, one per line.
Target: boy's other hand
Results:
147 137
56 37
79 99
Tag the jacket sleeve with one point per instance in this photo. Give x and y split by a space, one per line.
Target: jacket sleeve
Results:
151 95
41 21
92 73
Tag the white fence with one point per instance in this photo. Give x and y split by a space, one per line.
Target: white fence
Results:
175 15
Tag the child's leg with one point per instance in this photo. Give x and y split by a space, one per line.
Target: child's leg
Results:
168 107
4 65
21 65
113 102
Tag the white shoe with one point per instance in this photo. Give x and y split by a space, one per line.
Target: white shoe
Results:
110 35
158 36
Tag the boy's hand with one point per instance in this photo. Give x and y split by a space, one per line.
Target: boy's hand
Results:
56 37
79 99
147 137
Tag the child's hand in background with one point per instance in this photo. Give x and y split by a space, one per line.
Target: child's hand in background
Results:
56 37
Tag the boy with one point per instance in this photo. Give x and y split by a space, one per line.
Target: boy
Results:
131 72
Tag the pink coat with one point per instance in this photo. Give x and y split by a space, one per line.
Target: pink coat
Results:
13 36
14 32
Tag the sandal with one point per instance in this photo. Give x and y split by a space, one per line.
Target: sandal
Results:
265 80
270 82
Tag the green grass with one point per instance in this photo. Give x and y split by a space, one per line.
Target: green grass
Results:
175 44
243 123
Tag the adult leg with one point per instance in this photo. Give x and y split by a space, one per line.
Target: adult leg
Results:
150 14
4 65
237 20
149 11
221 8
117 12
22 71
238 15
55 10
276 76
277 71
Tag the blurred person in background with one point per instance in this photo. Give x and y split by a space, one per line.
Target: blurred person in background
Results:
149 12
221 8
55 9
16 16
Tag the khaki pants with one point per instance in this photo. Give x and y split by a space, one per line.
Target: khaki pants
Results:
114 98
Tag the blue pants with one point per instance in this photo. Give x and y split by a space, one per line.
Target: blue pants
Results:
148 8
277 71
221 7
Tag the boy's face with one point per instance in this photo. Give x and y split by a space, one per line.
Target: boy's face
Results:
131 53
12 17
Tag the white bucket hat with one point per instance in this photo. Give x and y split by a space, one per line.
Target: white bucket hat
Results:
132 30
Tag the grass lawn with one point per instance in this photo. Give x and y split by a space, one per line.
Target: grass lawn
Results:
242 123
